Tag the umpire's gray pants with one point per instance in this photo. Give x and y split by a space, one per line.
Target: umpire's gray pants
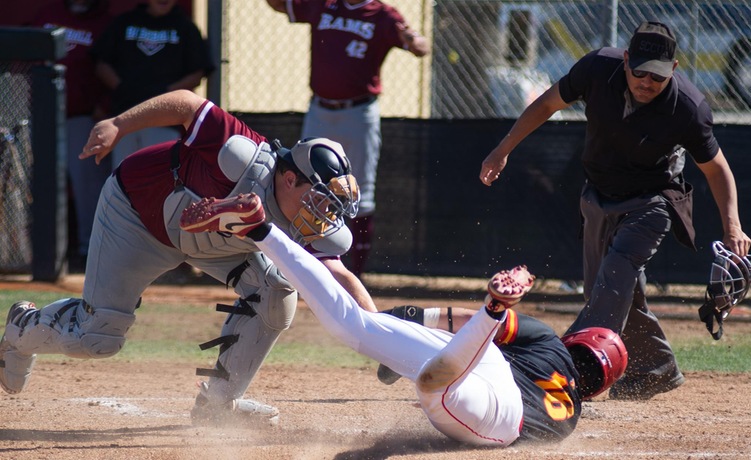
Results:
620 238
358 129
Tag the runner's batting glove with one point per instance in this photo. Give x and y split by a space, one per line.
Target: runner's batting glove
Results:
506 288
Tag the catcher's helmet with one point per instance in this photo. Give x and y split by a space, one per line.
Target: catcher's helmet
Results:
728 286
600 358
334 193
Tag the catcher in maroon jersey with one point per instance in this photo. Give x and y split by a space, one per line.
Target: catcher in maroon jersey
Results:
136 238
349 42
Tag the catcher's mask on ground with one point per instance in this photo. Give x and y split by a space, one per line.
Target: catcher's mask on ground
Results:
600 358
334 194
728 286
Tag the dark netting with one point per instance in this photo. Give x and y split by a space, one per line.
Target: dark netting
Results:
434 216
15 167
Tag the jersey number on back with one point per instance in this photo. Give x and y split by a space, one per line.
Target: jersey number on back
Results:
356 49
558 404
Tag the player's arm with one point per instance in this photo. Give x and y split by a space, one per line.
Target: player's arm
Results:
532 118
412 41
107 74
351 283
170 109
722 184
278 5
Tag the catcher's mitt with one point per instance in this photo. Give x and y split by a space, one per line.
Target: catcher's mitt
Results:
506 288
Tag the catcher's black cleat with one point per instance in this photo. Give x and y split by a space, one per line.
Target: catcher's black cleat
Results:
644 388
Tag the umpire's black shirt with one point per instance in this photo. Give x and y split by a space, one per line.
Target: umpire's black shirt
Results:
627 156
642 152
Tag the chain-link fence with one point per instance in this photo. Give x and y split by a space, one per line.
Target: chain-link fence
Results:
32 152
491 58
15 167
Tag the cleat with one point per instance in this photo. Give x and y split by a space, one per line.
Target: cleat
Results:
237 215
238 412
507 288
15 367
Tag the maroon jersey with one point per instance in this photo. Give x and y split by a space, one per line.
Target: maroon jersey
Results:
83 88
348 44
545 373
146 175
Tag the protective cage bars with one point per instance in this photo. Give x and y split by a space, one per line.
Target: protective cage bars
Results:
33 203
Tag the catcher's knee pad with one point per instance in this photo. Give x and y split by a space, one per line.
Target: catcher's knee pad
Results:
103 333
269 293
69 326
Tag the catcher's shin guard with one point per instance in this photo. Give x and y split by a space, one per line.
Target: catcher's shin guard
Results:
251 329
73 328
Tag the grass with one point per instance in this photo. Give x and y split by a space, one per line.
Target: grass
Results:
167 332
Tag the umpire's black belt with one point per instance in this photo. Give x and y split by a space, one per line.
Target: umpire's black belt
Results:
339 104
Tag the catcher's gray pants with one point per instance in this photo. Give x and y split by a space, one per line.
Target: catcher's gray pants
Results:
620 238
124 259
358 129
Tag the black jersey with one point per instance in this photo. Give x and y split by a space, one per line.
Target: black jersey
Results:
545 373
150 53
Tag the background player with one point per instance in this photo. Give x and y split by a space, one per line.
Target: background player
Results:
85 104
349 42
136 238
464 383
151 50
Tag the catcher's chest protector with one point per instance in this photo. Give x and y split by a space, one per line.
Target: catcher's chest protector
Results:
251 166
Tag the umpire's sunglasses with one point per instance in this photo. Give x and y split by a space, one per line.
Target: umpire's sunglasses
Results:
642 74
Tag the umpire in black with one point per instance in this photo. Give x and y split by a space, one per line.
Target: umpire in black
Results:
642 119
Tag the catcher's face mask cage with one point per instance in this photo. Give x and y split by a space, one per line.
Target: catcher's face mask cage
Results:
600 357
728 286
334 193
324 208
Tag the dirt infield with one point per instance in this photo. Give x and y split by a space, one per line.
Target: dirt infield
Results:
133 410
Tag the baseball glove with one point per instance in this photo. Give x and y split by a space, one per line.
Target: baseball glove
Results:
506 288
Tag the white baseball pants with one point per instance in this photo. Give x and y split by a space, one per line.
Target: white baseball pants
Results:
470 394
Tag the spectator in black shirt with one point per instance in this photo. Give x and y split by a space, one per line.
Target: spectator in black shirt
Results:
642 119
150 50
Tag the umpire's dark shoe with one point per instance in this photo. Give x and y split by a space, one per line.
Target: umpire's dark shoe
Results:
644 387
15 367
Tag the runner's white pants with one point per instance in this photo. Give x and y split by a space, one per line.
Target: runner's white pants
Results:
479 404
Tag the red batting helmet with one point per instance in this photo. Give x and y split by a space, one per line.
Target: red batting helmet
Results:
600 357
